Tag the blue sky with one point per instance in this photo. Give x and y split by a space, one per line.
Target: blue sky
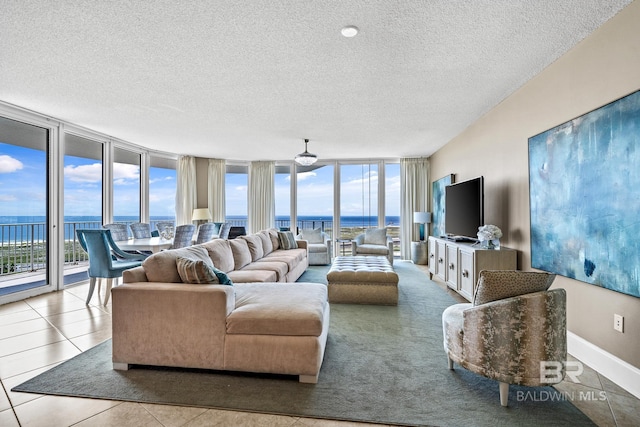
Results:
23 184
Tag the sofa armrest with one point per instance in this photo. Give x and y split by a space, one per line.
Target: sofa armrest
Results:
303 244
170 324
133 275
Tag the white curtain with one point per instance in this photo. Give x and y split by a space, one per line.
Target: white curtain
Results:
415 194
262 213
216 193
186 194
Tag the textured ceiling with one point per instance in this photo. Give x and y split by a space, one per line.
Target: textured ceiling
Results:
248 80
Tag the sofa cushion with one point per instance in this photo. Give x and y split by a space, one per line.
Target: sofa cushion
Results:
161 266
375 236
311 235
281 268
247 276
275 240
220 253
278 309
267 245
241 253
255 246
500 284
291 257
199 272
370 249
287 240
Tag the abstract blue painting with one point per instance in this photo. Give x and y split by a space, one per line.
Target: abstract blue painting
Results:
584 187
438 204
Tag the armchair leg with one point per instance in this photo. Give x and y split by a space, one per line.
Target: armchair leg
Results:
450 362
504 393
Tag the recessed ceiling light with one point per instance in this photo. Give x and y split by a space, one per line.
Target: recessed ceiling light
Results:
350 31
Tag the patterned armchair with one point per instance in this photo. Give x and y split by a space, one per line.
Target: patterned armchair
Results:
374 241
513 324
183 236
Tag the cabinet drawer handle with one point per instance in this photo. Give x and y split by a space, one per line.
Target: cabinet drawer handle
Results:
431 256
451 266
465 273
440 261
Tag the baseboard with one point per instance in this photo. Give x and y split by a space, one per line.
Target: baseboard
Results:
612 367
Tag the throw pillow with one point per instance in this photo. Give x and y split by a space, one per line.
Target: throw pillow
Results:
195 271
287 240
312 235
375 236
200 272
500 284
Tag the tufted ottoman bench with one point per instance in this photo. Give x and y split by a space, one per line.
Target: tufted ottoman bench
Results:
362 280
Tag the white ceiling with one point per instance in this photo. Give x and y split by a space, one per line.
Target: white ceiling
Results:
248 80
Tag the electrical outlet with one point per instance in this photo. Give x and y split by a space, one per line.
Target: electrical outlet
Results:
618 323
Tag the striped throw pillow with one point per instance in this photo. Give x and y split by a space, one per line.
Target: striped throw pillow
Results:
287 240
199 272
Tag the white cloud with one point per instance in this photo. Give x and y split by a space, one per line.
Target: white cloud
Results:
7 198
124 174
84 173
305 175
9 164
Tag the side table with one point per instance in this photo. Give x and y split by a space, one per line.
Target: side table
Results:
419 252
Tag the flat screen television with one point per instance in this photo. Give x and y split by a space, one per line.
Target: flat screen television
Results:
464 209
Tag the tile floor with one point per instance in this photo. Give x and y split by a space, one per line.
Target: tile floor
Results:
40 332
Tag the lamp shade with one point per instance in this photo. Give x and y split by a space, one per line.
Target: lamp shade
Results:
422 217
201 214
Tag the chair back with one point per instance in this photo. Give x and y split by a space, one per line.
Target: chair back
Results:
183 236
140 230
206 232
118 231
225 228
162 225
96 244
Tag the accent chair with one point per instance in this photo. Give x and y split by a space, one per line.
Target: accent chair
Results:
514 328
320 247
374 241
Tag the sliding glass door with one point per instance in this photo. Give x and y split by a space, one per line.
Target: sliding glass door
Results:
358 199
24 207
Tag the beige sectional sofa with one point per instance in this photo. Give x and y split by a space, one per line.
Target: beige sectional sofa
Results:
258 324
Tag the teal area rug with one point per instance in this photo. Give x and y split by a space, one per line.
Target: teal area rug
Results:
382 365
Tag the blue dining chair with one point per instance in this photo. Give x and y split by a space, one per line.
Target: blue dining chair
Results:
206 232
183 236
100 245
140 230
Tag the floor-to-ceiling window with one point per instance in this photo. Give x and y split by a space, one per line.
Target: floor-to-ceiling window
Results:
283 196
162 190
236 201
24 207
126 186
83 200
314 197
358 198
392 203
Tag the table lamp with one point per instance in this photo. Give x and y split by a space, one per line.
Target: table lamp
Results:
201 215
421 218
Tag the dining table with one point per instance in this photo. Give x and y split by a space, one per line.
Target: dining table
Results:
153 244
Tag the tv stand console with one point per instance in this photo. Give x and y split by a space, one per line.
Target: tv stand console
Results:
458 263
